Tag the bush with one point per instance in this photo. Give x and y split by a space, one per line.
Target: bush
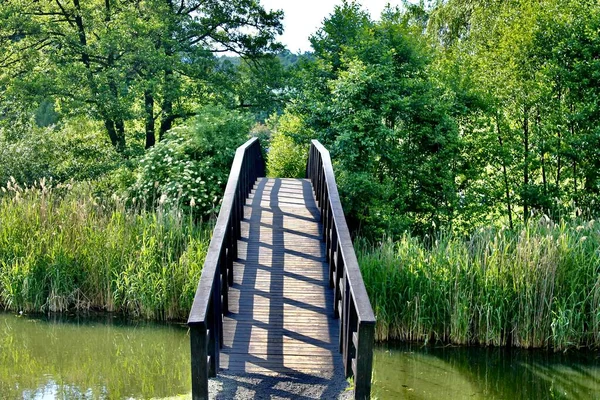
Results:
190 166
288 151
76 150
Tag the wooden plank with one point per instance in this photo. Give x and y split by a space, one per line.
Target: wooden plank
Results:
281 307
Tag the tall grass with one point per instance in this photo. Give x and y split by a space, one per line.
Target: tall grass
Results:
63 249
538 286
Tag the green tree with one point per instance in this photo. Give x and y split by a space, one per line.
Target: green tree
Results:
531 66
119 60
371 99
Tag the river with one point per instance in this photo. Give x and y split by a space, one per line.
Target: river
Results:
108 358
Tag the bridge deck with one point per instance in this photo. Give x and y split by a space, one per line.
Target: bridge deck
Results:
280 319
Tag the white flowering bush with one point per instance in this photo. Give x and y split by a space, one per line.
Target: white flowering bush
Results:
190 166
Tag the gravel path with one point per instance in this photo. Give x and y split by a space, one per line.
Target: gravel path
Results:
256 386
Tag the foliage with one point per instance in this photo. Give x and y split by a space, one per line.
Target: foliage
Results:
73 150
260 85
63 249
190 166
537 286
526 82
149 61
288 150
370 98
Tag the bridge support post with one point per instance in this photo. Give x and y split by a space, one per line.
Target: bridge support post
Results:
364 361
199 347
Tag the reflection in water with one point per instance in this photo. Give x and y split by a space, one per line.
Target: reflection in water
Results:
91 359
413 372
104 359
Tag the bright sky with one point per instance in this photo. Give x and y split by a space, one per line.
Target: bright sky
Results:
304 17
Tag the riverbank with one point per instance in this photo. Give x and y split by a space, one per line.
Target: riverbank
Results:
63 250
534 287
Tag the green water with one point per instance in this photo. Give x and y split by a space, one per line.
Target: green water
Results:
91 358
414 372
103 358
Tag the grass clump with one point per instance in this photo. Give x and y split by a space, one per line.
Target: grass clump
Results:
63 249
537 286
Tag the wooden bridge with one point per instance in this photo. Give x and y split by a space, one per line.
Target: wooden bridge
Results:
265 303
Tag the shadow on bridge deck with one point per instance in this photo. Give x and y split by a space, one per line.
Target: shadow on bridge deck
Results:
281 308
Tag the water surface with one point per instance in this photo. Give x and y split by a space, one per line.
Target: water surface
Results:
98 358
105 358
416 372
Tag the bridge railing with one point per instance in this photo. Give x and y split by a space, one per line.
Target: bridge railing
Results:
351 301
211 300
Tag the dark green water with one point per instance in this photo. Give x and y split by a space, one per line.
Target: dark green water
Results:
107 359
91 358
414 372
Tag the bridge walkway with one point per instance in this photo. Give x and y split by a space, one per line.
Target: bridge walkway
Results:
280 319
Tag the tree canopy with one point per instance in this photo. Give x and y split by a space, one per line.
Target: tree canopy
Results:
461 114
123 61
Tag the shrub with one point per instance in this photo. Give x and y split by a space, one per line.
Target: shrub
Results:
75 150
288 151
190 166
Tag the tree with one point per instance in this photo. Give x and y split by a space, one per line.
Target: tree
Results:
531 65
109 59
371 100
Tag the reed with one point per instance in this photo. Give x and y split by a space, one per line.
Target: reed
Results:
537 286
63 249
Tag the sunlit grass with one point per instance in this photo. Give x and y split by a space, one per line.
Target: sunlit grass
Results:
63 249
537 286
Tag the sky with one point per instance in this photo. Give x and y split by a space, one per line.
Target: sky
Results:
304 17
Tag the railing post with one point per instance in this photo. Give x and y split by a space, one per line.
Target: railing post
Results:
331 255
231 252
223 279
338 280
364 360
215 320
235 223
199 354
346 330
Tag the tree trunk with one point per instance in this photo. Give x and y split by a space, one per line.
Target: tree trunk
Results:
505 174
149 110
109 124
120 125
115 129
574 157
559 146
166 122
542 158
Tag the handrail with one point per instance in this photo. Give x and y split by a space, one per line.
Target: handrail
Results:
351 301
211 299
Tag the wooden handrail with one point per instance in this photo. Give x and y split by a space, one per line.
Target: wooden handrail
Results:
351 301
211 299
